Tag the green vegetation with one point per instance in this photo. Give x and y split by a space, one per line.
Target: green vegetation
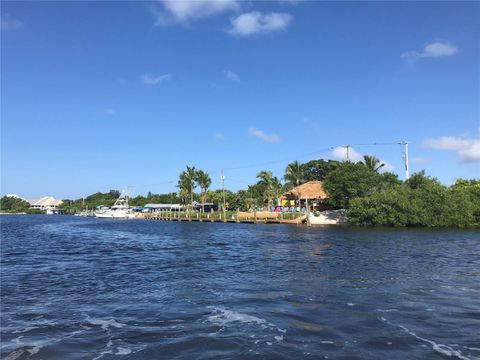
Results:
14 205
420 201
370 197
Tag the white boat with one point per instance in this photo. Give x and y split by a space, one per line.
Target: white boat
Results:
328 217
119 210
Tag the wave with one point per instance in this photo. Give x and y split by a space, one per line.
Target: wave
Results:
440 348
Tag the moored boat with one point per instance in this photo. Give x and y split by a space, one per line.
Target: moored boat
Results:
119 210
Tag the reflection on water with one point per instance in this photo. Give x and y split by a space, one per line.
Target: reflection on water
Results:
90 289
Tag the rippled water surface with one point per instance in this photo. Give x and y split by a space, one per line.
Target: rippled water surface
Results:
83 288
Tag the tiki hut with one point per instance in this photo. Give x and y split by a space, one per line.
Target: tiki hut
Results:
311 193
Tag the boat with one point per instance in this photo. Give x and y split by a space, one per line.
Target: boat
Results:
328 217
119 210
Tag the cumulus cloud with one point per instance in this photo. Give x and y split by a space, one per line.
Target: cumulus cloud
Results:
256 22
150 79
180 11
259 134
340 152
230 75
9 23
467 149
433 50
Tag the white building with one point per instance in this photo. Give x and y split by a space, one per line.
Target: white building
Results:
47 203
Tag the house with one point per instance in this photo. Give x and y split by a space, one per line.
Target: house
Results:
48 204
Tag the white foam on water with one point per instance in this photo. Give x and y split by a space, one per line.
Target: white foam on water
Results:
18 340
279 337
327 342
440 348
350 304
123 351
224 316
34 350
269 343
14 355
386 310
25 330
105 324
282 330
473 348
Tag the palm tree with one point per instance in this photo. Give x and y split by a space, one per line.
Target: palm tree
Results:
270 183
372 163
204 181
295 173
187 182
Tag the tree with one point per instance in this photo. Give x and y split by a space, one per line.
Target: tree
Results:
372 163
295 173
12 204
187 183
348 181
270 186
204 181
318 169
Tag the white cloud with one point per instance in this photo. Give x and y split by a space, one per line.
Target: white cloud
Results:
9 23
230 75
219 136
150 79
433 50
339 153
110 111
180 11
467 149
256 22
259 134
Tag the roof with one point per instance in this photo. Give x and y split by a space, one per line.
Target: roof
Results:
310 190
46 201
163 206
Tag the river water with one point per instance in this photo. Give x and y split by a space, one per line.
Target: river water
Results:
83 288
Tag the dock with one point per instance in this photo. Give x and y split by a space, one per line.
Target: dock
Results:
229 217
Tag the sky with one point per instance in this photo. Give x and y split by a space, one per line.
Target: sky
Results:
116 95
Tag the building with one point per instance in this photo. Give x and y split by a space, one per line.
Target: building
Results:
310 193
48 204
163 207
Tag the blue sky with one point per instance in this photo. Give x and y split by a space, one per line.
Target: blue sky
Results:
97 96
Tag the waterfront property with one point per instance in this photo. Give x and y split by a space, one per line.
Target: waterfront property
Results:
48 204
310 195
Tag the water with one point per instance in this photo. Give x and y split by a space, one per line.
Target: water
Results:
83 288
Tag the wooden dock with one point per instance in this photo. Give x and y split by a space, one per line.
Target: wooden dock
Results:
237 217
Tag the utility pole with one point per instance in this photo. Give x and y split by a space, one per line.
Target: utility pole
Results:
347 152
222 177
405 157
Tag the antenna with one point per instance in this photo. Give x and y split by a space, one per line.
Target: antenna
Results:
405 156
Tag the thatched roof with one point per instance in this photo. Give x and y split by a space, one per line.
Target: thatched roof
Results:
312 190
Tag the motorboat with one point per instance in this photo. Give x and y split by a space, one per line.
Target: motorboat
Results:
119 210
